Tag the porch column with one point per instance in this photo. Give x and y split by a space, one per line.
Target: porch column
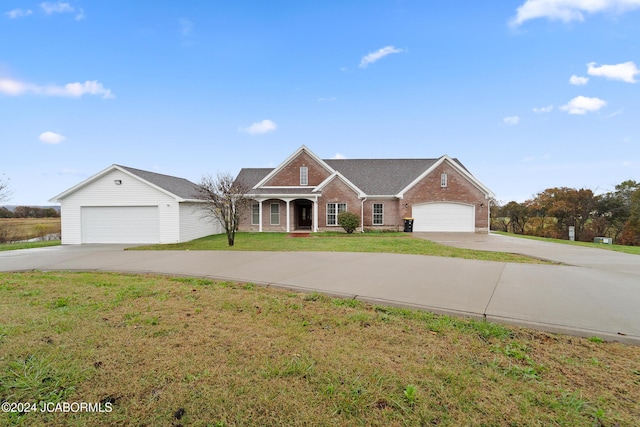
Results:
315 215
288 215
260 216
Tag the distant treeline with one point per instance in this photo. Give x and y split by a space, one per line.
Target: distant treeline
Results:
551 212
29 212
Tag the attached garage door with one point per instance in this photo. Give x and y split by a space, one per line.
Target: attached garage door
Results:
443 217
120 224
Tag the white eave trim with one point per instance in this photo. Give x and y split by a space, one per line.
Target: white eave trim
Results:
289 159
281 196
473 180
380 196
279 187
106 171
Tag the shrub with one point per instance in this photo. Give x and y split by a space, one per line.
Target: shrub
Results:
349 221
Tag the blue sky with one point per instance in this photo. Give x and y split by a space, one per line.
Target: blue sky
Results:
528 94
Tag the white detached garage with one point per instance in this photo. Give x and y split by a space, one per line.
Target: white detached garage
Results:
127 205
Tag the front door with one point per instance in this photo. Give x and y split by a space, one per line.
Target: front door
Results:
304 215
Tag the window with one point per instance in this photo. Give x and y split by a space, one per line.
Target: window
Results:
255 214
378 214
443 180
304 175
275 213
333 209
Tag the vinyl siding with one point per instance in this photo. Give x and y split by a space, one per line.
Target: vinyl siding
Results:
132 192
193 223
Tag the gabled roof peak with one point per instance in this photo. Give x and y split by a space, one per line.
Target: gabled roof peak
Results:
180 188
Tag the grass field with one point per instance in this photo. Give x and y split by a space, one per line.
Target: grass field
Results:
397 243
19 229
634 250
187 351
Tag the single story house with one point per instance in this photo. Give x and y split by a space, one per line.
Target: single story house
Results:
307 193
126 205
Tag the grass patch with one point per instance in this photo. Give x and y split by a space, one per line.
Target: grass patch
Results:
395 243
169 351
633 250
28 245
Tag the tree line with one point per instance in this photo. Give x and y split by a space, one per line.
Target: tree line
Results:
551 212
29 212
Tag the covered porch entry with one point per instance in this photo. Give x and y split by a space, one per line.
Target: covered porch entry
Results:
301 213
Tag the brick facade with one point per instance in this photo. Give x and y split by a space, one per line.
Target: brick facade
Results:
461 188
458 190
290 173
336 191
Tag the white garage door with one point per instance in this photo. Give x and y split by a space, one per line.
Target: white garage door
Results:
120 224
443 217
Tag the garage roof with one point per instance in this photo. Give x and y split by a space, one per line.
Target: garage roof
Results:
180 188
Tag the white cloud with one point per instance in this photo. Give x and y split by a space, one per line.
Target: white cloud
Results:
57 7
583 105
12 87
51 137
74 90
258 128
377 55
546 109
90 87
61 7
568 10
625 71
18 13
512 120
339 156
578 81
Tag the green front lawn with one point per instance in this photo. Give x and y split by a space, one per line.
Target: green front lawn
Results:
28 245
634 250
396 243
169 351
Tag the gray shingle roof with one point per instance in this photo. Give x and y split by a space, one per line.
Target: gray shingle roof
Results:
377 177
179 186
381 176
252 176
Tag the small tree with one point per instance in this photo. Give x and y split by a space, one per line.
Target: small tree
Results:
225 201
349 221
4 189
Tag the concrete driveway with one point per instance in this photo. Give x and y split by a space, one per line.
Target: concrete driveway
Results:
597 293
565 254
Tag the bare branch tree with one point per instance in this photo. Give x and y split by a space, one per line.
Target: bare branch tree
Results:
225 200
5 193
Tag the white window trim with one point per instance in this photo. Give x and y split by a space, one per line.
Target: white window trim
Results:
444 180
373 214
337 212
256 205
304 175
271 213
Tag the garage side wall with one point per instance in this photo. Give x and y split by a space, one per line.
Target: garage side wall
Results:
458 190
131 192
194 224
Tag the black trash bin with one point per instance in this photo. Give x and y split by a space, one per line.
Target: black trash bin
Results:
408 225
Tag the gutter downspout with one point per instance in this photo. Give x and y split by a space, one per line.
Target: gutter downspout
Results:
362 215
